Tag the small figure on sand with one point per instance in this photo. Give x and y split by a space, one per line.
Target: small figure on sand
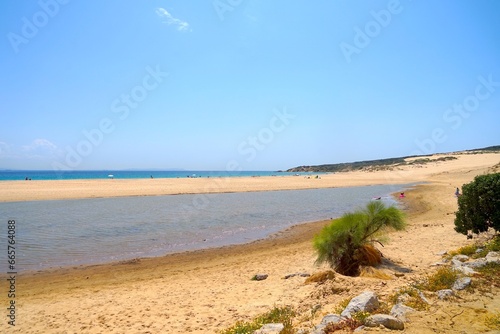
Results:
457 192
402 195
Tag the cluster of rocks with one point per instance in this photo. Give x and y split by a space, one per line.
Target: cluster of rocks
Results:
465 265
365 302
368 300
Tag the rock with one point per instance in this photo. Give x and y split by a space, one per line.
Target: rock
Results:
442 253
466 270
479 250
493 257
456 263
462 283
421 295
445 294
385 320
400 310
365 302
403 298
260 277
461 258
270 329
297 274
439 264
329 318
476 263
399 274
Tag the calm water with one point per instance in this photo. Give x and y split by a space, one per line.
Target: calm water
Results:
89 231
11 175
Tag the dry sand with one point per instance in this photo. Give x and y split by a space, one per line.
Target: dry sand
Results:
205 291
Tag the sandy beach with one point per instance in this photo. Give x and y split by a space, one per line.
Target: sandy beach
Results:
209 290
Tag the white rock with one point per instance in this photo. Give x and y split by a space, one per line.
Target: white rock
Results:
400 311
270 329
461 258
365 302
445 294
462 283
386 320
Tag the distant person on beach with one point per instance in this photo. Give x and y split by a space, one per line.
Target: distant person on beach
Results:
457 192
402 195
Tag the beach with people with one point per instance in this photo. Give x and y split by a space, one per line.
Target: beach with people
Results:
207 290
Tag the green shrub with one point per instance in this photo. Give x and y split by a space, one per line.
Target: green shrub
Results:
347 243
479 205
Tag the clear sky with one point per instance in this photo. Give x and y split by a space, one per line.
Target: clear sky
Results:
244 84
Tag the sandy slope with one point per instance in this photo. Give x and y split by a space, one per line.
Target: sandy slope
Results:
204 291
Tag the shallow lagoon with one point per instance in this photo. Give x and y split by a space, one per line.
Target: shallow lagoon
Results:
89 231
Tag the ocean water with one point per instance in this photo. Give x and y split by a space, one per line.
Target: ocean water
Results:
11 175
60 233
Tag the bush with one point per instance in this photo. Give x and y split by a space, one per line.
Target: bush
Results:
479 205
347 243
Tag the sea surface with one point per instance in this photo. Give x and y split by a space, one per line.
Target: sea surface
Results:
61 233
12 175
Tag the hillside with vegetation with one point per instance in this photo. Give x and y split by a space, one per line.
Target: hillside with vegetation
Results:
387 164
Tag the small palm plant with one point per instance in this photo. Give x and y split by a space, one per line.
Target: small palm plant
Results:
348 242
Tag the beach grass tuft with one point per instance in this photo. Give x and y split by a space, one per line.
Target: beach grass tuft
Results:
443 278
283 315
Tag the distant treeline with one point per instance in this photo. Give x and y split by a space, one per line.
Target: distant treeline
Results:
382 164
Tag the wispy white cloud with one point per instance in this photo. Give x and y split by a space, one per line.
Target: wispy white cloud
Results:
170 20
40 148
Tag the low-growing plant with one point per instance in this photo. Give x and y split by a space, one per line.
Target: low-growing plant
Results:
360 316
468 250
443 278
494 244
282 315
493 321
490 274
412 299
342 305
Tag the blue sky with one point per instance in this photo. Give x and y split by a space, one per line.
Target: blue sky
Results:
244 84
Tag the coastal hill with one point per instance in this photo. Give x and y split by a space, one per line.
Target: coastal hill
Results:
386 164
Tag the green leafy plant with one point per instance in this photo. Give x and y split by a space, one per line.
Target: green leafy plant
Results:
342 305
348 242
479 205
282 315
